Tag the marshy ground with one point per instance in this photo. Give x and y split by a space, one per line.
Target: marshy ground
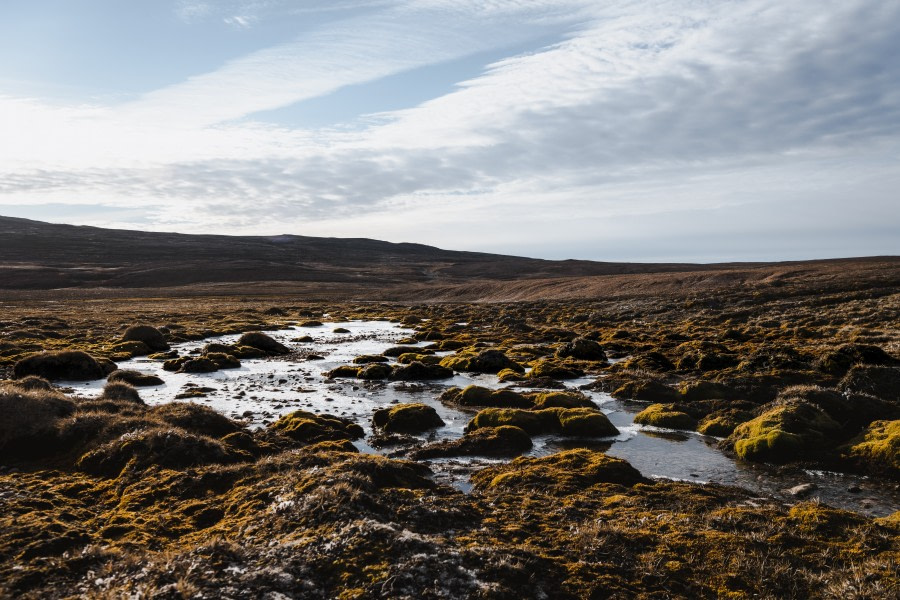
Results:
494 440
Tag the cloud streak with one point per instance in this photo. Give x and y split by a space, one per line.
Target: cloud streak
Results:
677 108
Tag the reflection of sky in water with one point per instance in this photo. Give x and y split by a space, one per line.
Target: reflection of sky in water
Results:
266 388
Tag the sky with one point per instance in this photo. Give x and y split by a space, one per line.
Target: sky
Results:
655 130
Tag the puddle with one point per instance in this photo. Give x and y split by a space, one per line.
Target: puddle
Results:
263 389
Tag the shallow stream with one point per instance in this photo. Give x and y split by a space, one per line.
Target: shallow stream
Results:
263 389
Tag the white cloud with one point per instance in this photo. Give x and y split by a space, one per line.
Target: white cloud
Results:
676 108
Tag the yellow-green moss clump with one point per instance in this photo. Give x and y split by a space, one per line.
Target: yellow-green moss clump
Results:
554 370
483 361
475 395
877 448
502 441
309 428
723 423
565 421
562 400
407 418
559 473
785 433
667 416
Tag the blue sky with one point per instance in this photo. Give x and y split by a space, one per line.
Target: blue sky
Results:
659 130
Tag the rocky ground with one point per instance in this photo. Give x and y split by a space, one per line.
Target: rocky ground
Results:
109 497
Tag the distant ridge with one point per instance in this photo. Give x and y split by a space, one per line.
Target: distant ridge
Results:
43 256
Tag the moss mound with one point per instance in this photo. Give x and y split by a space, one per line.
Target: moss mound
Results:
69 365
263 342
150 336
198 365
195 418
375 371
343 371
881 382
119 390
582 349
30 419
475 395
666 416
839 360
417 371
564 421
563 400
558 474
407 418
723 423
485 361
785 433
648 390
877 449
553 370
171 448
135 378
503 441
309 428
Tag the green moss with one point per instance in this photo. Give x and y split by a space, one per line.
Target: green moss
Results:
507 375
407 418
562 400
309 428
785 433
723 423
878 447
561 473
343 371
585 422
644 389
667 416
554 370
475 395
564 421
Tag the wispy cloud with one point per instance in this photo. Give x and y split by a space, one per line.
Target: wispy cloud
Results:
664 111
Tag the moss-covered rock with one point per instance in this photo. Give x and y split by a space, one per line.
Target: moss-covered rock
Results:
417 371
309 428
135 378
343 371
119 390
223 360
507 375
474 395
584 422
785 433
194 418
170 448
562 400
582 349
407 418
70 365
500 441
559 474
370 358
148 335
877 449
648 390
198 365
723 423
485 361
264 342
666 416
839 360
563 421
654 361
554 370
881 382
375 371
